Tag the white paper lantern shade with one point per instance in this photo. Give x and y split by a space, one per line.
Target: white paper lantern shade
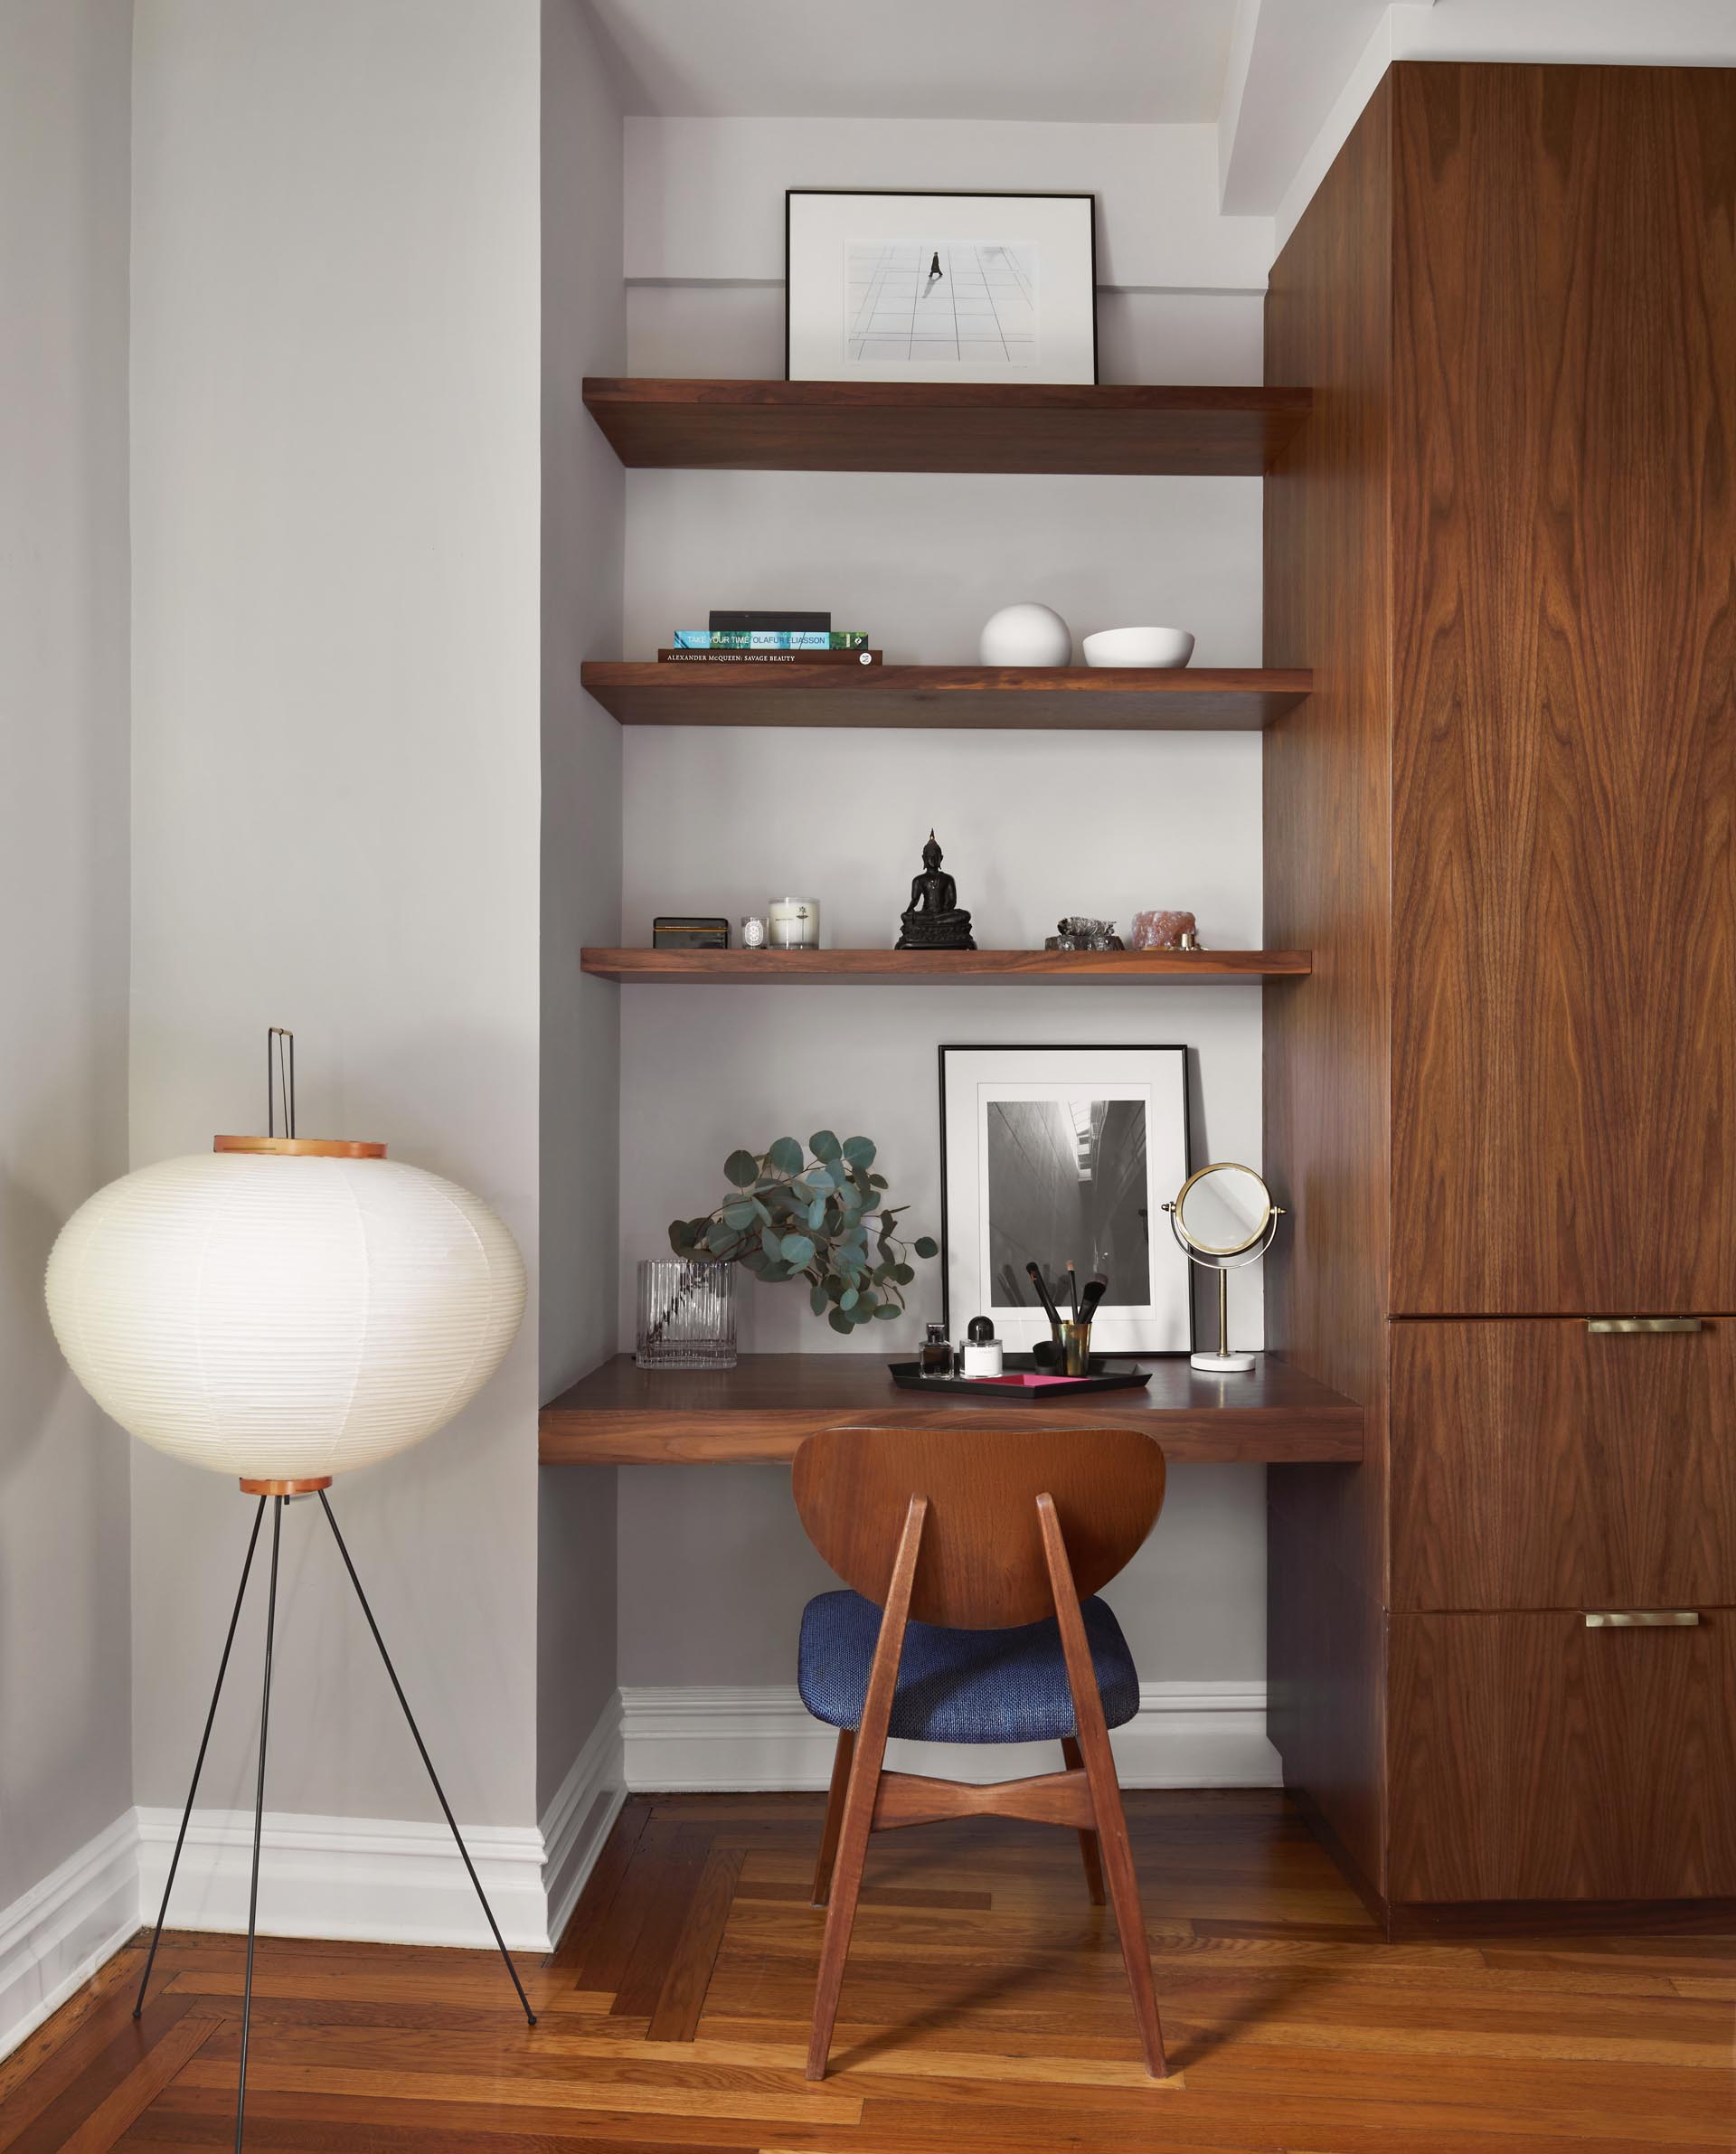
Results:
284 1309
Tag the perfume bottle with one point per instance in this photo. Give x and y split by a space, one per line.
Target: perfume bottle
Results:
936 1359
982 1349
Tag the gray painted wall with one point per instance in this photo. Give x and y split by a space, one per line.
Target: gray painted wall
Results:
714 1566
584 510
65 1754
336 475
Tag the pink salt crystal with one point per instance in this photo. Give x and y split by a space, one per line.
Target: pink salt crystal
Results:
1162 930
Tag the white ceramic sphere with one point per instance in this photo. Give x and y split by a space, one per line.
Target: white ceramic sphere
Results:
1139 647
1026 634
283 1317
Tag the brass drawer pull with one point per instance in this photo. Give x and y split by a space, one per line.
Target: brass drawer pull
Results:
1642 1619
1642 1323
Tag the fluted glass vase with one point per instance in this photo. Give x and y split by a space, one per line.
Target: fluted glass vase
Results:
686 1315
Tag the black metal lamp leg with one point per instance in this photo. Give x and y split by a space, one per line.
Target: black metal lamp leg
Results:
259 1819
433 1776
199 1762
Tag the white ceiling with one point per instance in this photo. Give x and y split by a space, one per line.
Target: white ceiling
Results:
1060 60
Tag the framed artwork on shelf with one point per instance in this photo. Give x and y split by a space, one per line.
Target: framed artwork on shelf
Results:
908 286
1049 1154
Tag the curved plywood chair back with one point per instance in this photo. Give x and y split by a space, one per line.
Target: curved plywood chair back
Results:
981 1565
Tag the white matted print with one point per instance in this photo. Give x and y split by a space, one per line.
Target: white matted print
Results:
939 288
1058 1153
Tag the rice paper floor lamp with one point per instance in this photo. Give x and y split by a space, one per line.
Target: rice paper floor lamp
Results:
285 1309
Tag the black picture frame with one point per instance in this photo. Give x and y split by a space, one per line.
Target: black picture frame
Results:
1066 1048
1084 194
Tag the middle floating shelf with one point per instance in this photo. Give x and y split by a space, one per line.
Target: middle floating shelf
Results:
1072 698
905 968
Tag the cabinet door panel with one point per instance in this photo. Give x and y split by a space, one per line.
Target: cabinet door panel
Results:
1534 1464
1563 1107
1534 1759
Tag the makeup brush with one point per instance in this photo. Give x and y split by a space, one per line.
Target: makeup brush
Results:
1044 1295
1072 1288
1095 1289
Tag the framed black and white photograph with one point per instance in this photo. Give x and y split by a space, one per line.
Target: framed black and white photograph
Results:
1049 1154
910 286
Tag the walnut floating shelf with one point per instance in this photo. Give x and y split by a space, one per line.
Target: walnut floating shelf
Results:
952 968
945 426
1071 698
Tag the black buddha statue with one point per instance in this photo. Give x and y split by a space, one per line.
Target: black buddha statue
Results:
934 920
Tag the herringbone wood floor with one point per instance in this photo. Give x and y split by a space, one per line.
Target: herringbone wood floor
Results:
985 2008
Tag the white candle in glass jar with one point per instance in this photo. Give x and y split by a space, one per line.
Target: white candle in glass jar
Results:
793 923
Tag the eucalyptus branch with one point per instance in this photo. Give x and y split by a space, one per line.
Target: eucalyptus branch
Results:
792 1216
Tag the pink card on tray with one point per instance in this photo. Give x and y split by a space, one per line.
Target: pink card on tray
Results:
1030 1380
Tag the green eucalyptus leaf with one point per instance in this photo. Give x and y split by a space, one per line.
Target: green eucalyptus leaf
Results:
838 1321
903 1273
817 1215
825 1146
888 1308
756 1210
859 1151
927 1246
878 1182
785 1155
738 1216
816 1300
772 1242
799 1251
848 1299
741 1168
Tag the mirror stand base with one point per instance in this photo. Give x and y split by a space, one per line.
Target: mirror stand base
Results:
1220 1365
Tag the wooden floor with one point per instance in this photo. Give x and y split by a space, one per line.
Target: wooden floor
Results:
985 2008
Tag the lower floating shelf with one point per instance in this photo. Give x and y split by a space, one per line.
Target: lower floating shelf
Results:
760 1410
954 967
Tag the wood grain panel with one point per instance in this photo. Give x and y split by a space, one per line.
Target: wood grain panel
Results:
1564 778
926 426
1534 1759
763 1409
1066 698
1537 1465
1328 323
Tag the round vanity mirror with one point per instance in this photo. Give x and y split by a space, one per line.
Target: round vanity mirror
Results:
1223 1210
1224 1217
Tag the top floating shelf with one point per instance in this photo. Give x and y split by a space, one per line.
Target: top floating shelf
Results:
945 426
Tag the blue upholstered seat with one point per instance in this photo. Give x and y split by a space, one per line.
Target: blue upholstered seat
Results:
960 1686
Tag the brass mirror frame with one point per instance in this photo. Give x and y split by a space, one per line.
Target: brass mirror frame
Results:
1207 1249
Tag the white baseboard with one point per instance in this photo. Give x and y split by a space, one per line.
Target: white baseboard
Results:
385 1880
676 1737
572 1838
380 1880
398 1881
55 1936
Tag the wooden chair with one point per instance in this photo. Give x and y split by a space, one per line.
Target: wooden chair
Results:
969 1551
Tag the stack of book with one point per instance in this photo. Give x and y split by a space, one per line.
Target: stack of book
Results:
772 638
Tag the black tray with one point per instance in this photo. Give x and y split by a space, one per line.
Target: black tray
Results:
908 1375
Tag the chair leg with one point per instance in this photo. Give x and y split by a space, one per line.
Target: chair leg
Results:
1106 1789
869 1749
835 1816
1088 1843
1124 1891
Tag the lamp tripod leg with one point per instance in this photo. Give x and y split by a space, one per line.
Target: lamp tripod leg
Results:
199 1762
259 1819
433 1776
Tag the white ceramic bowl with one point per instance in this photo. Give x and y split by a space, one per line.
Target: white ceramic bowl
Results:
1138 646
